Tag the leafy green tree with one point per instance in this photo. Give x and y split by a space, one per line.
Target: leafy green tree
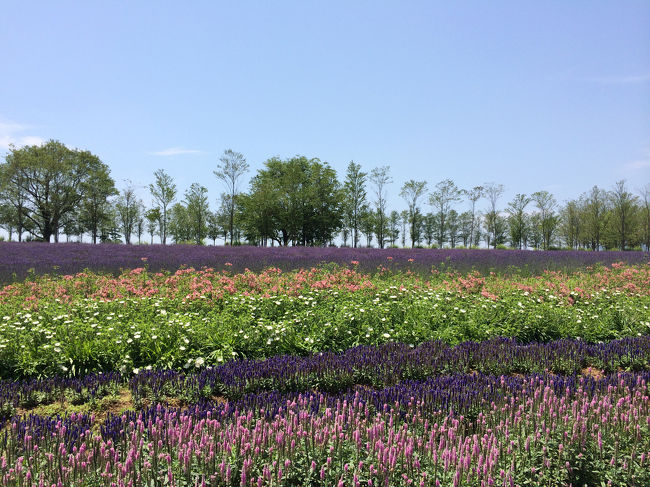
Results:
570 226
223 217
412 191
297 201
594 216
53 181
232 167
404 219
623 217
128 208
95 206
466 227
496 227
429 228
535 231
393 227
453 225
153 217
7 218
546 205
380 178
139 224
442 199
345 231
109 228
473 195
367 225
416 225
214 229
644 216
179 224
354 188
71 226
492 192
13 215
163 191
517 219
197 208
13 218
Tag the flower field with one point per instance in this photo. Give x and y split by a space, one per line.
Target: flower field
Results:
20 260
327 375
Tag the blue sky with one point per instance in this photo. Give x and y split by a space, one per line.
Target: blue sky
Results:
533 95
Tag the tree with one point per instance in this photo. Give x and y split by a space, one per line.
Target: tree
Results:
465 227
53 181
416 221
355 198
297 201
95 206
345 232
139 224
367 225
517 220
380 178
623 215
546 204
128 209
535 230
594 216
7 218
179 224
412 191
445 194
429 228
13 201
163 191
108 229
214 230
71 225
223 216
153 217
197 208
492 192
645 216
498 226
404 215
473 195
232 167
453 227
570 226
393 227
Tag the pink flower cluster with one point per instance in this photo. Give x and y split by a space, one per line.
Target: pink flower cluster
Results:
540 436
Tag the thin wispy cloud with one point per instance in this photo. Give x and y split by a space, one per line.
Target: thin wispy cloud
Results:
640 164
11 133
616 80
175 151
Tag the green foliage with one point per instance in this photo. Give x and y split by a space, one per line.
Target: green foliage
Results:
297 201
130 333
47 182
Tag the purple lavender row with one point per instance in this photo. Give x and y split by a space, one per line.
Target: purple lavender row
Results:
538 434
16 259
373 366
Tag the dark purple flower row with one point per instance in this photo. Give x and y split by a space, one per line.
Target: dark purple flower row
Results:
376 367
459 395
18 259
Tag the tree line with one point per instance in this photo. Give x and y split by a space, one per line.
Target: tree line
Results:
50 190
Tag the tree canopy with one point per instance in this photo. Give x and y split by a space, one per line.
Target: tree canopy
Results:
297 201
52 182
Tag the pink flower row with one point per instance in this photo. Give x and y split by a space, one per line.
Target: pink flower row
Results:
539 436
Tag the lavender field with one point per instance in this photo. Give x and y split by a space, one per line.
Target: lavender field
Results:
18 260
374 372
